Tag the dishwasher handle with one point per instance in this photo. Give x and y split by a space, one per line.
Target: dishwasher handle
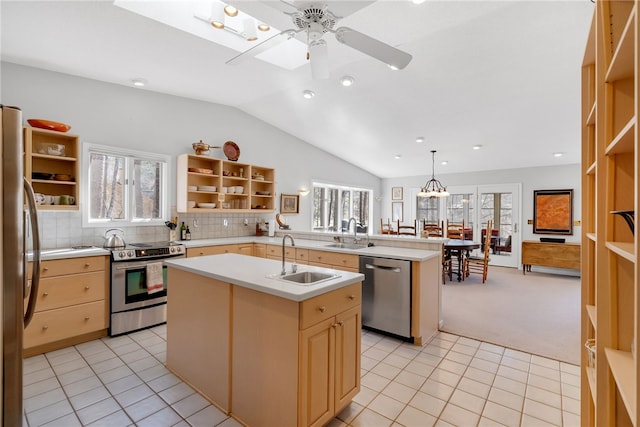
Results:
382 267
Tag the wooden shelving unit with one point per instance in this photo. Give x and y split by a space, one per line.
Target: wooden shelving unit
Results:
194 172
56 154
609 264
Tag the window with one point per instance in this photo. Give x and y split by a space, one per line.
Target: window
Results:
428 210
124 187
334 205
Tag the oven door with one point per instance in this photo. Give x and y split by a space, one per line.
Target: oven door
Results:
129 286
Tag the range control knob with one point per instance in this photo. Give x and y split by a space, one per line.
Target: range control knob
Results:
172 249
130 253
179 249
122 254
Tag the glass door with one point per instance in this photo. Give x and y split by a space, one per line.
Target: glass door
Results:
499 203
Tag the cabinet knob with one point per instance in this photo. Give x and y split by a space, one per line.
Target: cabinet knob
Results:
335 325
341 322
352 297
45 268
44 294
201 253
45 327
86 264
86 288
86 318
322 309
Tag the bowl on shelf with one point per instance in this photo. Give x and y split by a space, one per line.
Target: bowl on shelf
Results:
192 188
62 177
226 206
239 189
210 188
48 124
231 189
191 203
50 149
263 193
41 175
207 205
201 170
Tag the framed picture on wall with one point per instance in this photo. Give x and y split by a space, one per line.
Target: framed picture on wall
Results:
289 203
396 193
553 211
397 211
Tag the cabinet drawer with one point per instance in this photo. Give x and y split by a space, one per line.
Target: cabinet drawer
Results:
62 291
336 259
275 252
302 256
55 325
324 306
60 267
211 250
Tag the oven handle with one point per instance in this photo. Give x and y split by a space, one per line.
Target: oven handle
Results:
134 267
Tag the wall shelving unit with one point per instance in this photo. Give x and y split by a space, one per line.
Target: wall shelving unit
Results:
610 163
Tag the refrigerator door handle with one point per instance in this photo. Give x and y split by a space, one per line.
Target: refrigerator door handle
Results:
35 280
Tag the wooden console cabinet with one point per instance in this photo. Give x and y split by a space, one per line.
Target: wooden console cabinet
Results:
559 255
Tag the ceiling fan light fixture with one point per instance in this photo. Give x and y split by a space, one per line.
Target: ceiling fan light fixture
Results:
347 81
230 11
308 94
263 27
319 57
433 187
217 15
250 33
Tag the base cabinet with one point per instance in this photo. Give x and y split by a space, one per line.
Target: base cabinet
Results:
243 249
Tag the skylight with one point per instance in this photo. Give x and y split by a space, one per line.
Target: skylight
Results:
194 18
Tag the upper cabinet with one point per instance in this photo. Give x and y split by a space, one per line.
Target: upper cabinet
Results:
205 184
52 166
610 390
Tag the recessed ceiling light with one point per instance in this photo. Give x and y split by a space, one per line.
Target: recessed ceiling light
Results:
397 156
417 1
347 81
263 27
308 94
230 11
420 139
477 147
558 154
139 82
444 162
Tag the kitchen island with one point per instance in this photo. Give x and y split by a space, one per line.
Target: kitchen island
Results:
262 349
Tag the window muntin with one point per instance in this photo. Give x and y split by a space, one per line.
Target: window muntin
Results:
125 187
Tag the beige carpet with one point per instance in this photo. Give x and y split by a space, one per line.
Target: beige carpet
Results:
538 313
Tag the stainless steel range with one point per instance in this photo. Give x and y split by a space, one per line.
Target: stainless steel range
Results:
134 304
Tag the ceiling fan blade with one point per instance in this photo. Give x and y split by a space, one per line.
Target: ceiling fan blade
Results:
375 48
263 46
319 58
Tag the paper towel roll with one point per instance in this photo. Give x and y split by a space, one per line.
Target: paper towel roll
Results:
272 228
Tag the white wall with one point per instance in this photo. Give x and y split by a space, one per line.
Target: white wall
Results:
540 178
122 116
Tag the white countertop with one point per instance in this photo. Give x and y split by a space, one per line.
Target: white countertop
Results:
377 251
252 272
62 253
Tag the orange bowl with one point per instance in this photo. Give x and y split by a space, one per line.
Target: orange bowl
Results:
48 124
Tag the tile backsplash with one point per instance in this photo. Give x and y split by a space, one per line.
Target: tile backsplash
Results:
64 229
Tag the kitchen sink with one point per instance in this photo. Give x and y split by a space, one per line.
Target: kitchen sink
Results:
346 246
305 277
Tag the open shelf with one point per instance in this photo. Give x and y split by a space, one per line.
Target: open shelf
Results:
625 250
591 376
623 369
591 311
622 62
623 141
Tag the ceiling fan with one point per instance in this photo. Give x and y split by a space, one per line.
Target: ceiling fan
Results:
315 20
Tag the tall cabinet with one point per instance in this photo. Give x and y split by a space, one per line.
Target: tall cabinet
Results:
610 293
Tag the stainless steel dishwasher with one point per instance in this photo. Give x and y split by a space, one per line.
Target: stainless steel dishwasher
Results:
386 295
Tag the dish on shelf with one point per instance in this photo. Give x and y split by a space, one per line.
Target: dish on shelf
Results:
226 205
201 170
50 149
211 188
258 177
41 175
239 189
62 177
48 124
231 150
192 188
263 193
191 203
207 205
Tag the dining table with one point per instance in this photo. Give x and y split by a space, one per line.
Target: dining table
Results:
460 248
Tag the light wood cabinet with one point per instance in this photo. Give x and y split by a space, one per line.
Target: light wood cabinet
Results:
260 250
52 165
71 306
239 248
610 392
545 254
201 179
337 260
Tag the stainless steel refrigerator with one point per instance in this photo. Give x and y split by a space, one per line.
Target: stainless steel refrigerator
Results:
18 225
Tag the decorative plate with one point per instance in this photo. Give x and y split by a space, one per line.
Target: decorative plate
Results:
231 150
48 124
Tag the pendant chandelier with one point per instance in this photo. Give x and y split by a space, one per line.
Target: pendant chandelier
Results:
433 187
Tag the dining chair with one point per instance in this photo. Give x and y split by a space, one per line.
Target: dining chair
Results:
407 230
455 230
432 229
386 228
447 265
480 264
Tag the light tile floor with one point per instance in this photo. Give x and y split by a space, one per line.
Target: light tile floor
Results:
452 381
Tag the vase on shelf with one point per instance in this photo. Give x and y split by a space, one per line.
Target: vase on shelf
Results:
629 217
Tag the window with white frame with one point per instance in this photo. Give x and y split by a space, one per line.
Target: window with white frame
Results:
334 205
124 187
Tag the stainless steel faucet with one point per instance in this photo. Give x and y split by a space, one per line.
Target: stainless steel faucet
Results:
355 229
293 243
